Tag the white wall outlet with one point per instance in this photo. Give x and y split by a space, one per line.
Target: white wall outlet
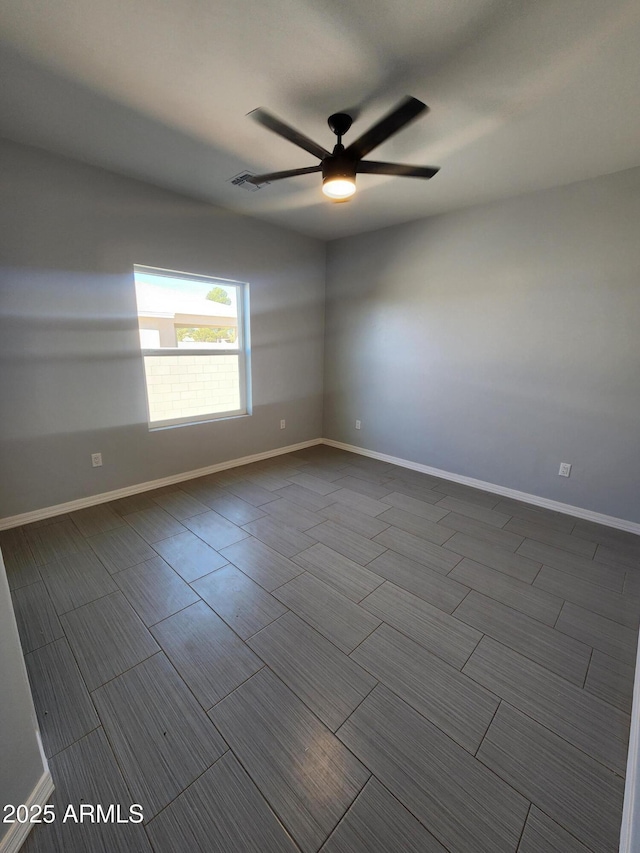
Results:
565 469
283 423
96 460
358 424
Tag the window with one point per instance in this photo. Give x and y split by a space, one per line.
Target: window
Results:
194 341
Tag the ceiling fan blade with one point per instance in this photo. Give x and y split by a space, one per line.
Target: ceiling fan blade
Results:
277 176
372 167
276 126
406 111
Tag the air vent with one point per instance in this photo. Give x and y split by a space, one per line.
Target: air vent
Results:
241 180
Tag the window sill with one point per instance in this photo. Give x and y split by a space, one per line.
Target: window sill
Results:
162 425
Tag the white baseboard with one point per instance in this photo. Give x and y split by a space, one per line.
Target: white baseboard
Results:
536 500
630 830
104 497
17 833
525 497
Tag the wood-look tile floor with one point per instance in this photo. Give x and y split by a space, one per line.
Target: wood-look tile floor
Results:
327 652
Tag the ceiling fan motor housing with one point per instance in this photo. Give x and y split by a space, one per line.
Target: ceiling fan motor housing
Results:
339 165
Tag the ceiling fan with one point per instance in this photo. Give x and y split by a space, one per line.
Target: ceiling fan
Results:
340 166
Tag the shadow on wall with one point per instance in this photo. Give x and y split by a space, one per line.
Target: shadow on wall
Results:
134 454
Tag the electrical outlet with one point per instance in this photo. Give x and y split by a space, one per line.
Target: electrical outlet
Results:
565 469
96 460
358 424
283 423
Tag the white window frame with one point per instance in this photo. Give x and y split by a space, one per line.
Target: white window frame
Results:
241 349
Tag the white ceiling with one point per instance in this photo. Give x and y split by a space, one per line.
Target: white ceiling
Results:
523 95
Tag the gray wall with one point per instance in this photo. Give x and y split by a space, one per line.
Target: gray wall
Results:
72 379
493 342
497 342
22 764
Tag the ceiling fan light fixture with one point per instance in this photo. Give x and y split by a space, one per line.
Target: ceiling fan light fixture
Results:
338 175
338 188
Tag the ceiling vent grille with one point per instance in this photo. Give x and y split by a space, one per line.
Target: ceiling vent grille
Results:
241 180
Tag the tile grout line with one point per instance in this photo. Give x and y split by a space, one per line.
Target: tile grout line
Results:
524 825
554 626
586 674
486 731
348 654
482 634
77 740
173 799
554 820
159 651
544 726
504 643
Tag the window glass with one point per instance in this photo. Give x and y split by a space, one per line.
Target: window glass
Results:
193 340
